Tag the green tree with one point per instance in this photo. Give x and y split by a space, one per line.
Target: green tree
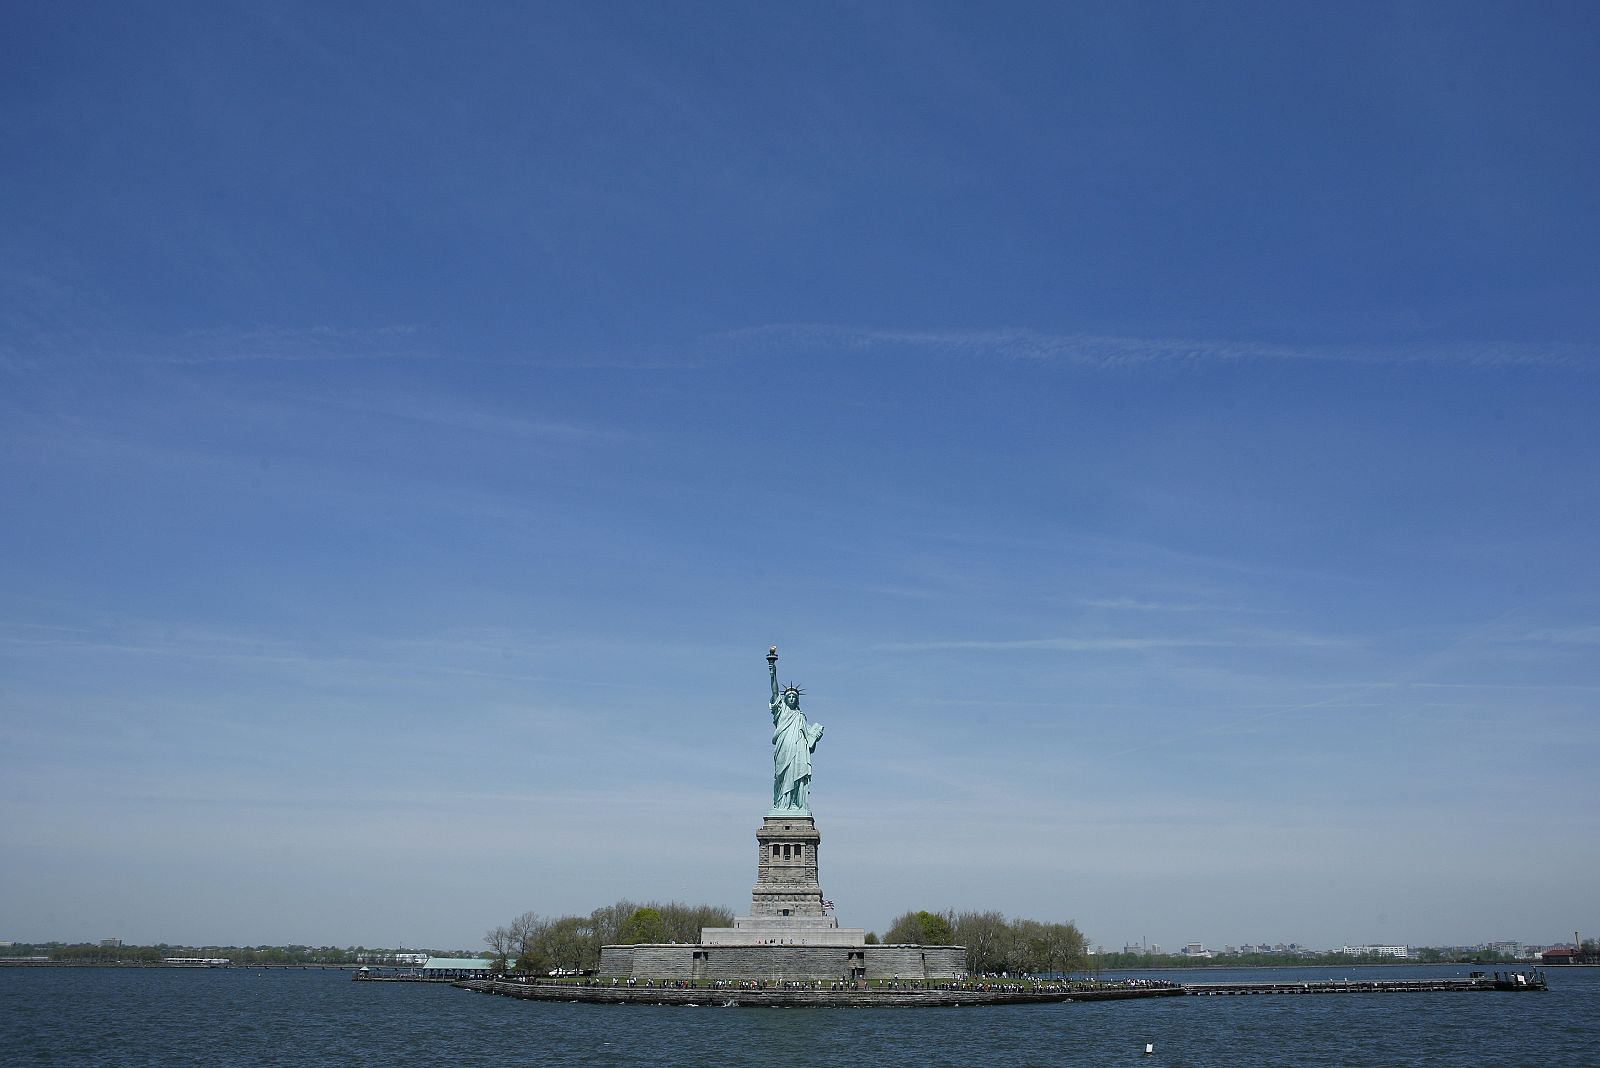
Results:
921 928
569 944
1066 948
1029 947
530 961
679 922
535 943
607 920
643 927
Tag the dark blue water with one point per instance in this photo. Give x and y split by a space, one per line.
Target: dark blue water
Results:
92 1016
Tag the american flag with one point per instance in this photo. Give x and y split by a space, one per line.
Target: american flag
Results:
826 904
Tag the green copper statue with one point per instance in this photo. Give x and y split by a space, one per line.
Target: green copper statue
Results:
793 740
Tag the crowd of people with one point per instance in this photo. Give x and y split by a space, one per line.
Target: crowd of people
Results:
984 984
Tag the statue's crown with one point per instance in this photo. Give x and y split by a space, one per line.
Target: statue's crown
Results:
792 688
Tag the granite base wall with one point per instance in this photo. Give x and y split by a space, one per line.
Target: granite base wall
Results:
710 963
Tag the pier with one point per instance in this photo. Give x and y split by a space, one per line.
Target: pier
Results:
1477 981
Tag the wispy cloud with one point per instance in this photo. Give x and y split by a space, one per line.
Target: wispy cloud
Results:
1131 604
462 416
1110 351
46 351
441 656
301 344
1589 635
1119 644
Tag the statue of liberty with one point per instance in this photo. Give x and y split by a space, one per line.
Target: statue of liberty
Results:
793 739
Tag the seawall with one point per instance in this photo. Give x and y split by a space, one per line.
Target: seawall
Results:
812 997
915 995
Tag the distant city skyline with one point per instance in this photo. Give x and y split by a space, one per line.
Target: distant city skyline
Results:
1161 439
404 953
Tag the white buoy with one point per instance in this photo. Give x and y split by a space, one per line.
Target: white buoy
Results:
1149 1049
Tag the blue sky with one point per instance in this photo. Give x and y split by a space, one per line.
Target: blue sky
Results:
1160 438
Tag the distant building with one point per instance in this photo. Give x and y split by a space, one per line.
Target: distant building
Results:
1197 949
457 968
1401 952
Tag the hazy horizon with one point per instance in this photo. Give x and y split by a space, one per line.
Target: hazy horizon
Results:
1154 948
1161 438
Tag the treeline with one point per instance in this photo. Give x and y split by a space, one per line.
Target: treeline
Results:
995 944
534 945
1105 961
1432 955
1305 959
94 953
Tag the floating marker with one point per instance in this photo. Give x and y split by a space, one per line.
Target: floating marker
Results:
1149 1049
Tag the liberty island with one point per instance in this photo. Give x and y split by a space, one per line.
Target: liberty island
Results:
789 951
788 935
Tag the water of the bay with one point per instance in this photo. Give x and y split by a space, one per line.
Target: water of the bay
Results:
228 1017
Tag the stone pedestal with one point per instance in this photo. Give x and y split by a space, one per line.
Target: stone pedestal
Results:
786 872
786 904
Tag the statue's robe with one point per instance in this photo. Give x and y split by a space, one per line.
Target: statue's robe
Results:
793 738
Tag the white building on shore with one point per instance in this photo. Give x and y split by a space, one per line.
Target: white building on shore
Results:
1401 952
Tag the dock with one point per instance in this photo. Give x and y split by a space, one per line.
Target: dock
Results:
1476 982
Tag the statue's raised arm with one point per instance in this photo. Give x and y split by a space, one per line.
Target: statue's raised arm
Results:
772 669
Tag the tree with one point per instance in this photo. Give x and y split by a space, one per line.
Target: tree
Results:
921 928
683 923
987 937
502 944
607 920
644 926
537 944
530 961
905 928
1030 947
1066 948
569 944
871 939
